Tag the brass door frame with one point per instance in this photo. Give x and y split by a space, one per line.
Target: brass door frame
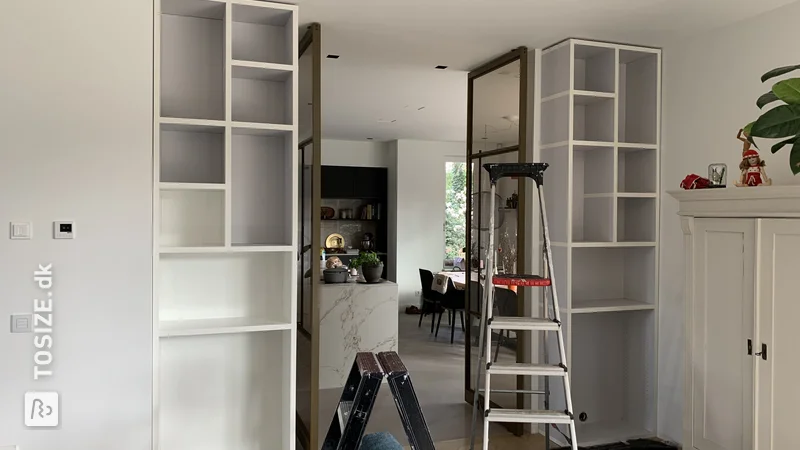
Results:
311 41
519 54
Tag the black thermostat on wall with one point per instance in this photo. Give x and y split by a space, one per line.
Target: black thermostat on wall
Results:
63 230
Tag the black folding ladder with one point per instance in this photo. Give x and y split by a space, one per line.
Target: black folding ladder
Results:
358 398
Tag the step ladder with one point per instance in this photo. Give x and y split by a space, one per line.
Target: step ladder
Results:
358 398
489 322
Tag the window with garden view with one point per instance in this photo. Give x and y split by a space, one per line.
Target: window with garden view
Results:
455 224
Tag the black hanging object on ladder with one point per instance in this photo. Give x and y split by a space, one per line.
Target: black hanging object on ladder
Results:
358 398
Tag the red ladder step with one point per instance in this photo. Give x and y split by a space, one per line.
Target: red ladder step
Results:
520 280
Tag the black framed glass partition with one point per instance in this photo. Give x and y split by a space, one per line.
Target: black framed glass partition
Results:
309 118
496 125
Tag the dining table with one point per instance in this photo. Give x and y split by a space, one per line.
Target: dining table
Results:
459 279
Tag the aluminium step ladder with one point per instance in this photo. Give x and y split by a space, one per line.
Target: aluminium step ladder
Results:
489 323
358 398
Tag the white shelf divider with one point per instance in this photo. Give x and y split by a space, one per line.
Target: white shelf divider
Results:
261 70
204 327
192 186
609 305
261 129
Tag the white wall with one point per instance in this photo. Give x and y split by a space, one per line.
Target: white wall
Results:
337 152
711 83
76 144
420 190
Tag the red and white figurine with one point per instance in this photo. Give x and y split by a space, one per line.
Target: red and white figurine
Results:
752 166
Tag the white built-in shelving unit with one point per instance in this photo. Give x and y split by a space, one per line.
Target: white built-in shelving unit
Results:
225 215
600 116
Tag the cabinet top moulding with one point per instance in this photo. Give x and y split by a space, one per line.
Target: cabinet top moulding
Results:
761 201
608 45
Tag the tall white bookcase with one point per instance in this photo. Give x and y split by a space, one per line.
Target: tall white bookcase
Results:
225 215
600 127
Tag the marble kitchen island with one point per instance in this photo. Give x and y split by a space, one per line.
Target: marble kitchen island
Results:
354 317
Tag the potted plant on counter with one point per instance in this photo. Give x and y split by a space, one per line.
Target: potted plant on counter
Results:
370 266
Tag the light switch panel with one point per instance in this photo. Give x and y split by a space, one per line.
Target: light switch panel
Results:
63 230
21 230
21 323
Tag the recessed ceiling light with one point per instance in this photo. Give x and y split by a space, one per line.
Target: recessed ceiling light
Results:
369 139
420 108
440 67
333 56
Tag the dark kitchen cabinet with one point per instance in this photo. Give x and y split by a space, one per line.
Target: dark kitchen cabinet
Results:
354 182
370 182
337 181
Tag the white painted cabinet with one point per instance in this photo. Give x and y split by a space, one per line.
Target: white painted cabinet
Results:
742 339
723 322
777 386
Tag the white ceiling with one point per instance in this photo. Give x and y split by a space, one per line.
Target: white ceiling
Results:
389 49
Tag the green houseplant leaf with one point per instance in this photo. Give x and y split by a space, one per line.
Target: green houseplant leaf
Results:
766 99
778 72
781 144
780 122
794 158
746 130
788 91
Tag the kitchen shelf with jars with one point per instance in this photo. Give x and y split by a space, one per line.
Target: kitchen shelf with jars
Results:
354 212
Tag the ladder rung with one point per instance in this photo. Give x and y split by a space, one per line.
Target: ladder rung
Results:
527 416
547 370
520 280
515 391
523 323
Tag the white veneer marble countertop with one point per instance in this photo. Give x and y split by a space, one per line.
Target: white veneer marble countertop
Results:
354 317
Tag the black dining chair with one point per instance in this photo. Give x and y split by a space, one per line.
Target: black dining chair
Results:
431 300
453 302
